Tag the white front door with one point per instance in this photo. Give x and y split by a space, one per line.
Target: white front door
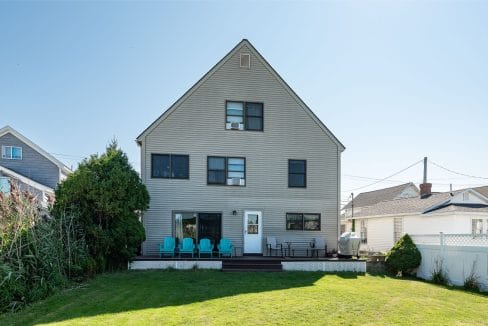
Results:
253 225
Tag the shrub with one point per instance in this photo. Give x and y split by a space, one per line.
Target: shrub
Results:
472 282
106 194
404 257
439 274
37 253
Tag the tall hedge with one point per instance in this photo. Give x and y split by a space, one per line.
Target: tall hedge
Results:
38 254
107 194
404 257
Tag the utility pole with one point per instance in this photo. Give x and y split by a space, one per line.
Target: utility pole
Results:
352 213
425 169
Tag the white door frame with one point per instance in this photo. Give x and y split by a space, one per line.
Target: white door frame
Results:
253 243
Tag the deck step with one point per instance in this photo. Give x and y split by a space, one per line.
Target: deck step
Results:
241 265
250 270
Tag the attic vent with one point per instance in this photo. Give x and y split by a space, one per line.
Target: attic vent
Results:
245 60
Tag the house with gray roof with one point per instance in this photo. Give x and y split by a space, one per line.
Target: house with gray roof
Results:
365 199
240 156
381 224
27 166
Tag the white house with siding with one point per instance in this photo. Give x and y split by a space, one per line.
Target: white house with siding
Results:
382 223
240 156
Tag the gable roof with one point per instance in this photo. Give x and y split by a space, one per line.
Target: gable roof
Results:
25 180
12 131
373 197
437 202
216 67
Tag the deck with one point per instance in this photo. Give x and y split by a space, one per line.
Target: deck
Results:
251 263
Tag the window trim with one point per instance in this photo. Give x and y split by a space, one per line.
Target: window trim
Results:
170 166
303 222
304 174
244 115
11 147
226 170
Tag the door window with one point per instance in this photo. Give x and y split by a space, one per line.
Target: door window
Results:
252 224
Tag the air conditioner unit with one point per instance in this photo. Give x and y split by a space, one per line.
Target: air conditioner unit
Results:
236 182
234 126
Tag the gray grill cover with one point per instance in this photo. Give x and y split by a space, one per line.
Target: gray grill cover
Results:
349 244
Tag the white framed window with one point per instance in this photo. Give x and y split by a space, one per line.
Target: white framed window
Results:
397 228
12 152
245 60
363 230
479 226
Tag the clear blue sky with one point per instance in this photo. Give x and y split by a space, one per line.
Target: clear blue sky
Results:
393 81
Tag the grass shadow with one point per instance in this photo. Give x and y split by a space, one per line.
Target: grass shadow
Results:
136 290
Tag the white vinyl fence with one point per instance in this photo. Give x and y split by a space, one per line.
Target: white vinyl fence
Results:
461 255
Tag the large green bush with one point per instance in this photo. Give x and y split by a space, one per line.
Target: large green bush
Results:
38 254
108 196
404 257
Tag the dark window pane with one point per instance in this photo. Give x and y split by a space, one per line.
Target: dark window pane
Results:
311 222
296 166
210 227
217 177
296 180
294 221
254 109
216 163
160 167
253 123
180 166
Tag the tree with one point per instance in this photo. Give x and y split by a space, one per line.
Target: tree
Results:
404 257
107 194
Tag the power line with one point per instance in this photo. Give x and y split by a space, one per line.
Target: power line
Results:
458 173
388 177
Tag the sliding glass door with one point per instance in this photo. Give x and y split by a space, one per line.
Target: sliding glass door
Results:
198 226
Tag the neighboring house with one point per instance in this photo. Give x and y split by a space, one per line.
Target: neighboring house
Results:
369 198
240 156
28 166
460 212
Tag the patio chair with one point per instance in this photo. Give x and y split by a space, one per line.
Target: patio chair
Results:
317 245
167 247
271 245
205 247
225 247
187 246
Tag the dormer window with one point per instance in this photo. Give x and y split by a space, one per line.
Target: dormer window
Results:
11 152
244 116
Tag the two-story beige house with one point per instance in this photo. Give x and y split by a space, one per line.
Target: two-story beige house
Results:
240 156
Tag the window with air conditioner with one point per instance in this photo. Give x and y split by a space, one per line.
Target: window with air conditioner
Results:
244 116
230 171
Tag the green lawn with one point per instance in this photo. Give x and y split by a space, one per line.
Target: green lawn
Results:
214 297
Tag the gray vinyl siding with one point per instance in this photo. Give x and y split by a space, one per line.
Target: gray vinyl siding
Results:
197 128
33 165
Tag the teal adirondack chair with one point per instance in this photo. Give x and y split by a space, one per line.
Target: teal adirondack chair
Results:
187 246
167 247
225 247
205 247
